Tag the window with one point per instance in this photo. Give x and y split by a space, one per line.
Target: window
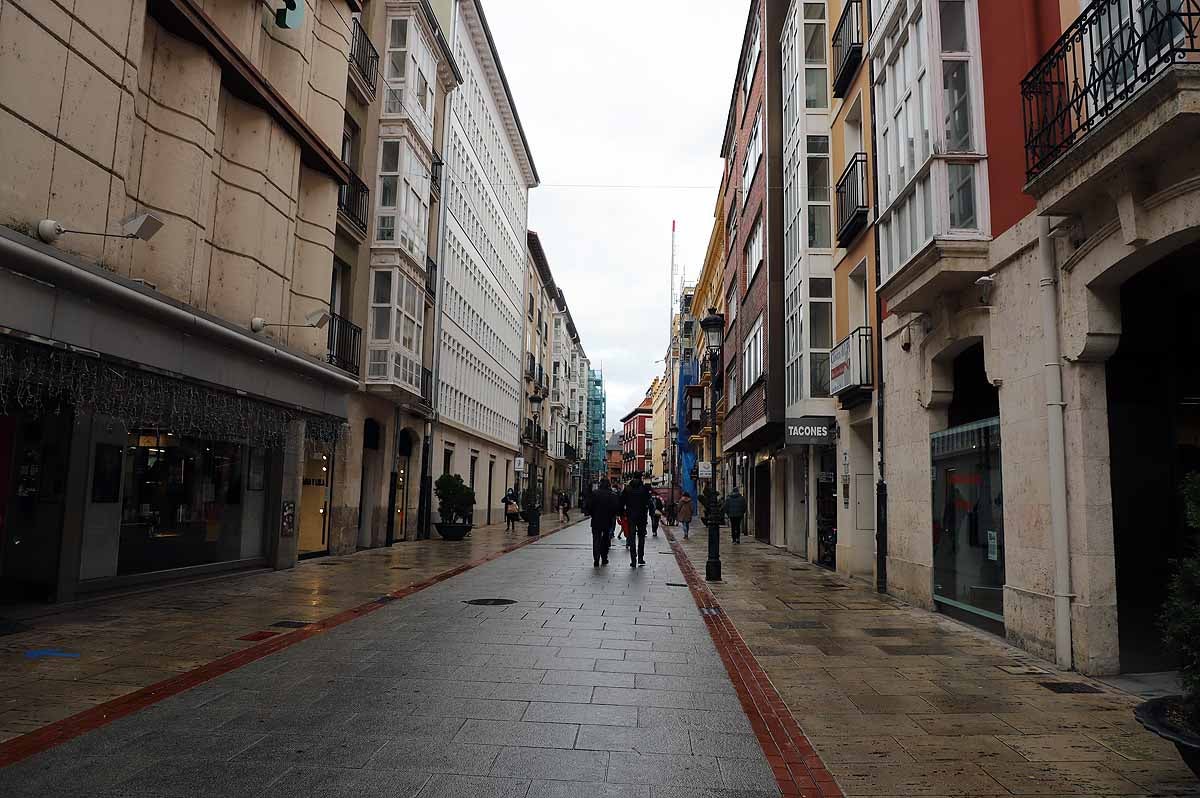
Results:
396 331
819 374
731 380
816 76
752 355
424 93
402 201
753 155
754 250
732 300
389 190
396 67
957 103
819 190
752 57
962 196
447 460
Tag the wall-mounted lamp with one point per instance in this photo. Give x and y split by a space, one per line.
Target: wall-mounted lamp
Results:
318 319
137 225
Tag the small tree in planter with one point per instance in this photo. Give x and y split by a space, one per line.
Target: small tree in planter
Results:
1177 718
456 503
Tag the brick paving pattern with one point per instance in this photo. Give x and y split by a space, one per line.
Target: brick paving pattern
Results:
122 645
594 682
900 702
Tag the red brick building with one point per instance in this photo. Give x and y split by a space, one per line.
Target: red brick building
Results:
635 440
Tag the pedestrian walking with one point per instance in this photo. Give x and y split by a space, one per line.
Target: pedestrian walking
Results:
512 510
684 513
604 506
735 508
564 504
672 510
635 504
656 508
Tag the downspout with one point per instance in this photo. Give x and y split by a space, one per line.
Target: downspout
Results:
881 488
1056 438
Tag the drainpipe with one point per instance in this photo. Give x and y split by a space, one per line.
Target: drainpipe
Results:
1056 437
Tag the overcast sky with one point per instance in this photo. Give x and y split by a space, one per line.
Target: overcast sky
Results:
622 93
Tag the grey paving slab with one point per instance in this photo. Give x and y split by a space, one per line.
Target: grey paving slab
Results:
550 763
599 682
311 782
595 714
519 733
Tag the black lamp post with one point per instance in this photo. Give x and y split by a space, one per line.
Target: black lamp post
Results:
713 326
534 509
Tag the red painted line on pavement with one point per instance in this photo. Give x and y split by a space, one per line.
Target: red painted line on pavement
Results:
798 769
68 728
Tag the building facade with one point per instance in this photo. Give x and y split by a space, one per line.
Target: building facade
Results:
637 440
489 171
173 403
614 455
597 423
537 424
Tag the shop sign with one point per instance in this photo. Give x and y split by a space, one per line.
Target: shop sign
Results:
519 465
810 431
704 470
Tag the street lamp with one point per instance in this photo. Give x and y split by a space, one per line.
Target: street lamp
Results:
713 326
535 506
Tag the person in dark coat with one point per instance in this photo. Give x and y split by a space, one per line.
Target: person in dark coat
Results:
635 505
656 508
605 506
735 508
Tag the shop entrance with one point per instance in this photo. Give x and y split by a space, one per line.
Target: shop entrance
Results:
33 478
762 502
405 442
968 504
1153 387
314 501
825 464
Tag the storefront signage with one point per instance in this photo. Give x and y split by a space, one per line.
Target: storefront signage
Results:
810 431
704 470
519 465
287 525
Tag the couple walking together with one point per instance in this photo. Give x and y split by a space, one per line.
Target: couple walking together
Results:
634 504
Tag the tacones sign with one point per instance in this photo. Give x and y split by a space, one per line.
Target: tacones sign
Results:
810 431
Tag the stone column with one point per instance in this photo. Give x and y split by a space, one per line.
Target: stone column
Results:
288 477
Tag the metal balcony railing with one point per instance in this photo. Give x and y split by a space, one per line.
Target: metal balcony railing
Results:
435 177
1112 50
427 386
431 277
345 338
364 57
847 47
569 452
530 367
354 200
852 199
850 363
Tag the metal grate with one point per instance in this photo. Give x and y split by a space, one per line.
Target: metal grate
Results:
490 602
676 584
1070 687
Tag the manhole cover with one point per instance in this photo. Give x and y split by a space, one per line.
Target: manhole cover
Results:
676 584
1070 687
490 602
11 627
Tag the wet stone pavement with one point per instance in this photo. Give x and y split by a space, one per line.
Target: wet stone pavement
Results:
594 682
900 702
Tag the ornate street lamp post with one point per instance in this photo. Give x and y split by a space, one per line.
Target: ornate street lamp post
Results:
534 509
713 326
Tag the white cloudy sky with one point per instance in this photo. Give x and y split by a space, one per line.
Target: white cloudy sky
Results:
621 93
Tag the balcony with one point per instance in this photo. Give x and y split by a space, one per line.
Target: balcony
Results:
364 64
569 452
530 367
354 204
847 47
431 269
345 340
850 378
435 177
427 386
1100 65
853 207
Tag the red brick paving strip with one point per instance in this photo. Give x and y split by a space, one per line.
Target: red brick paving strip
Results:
797 767
61 731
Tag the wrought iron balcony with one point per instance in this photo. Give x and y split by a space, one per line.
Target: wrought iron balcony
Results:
364 59
847 47
345 340
354 202
431 278
530 367
1111 51
435 177
569 452
852 200
850 362
427 386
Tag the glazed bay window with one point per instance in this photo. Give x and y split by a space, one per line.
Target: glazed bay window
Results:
396 66
820 340
396 330
930 150
754 250
816 63
819 192
402 201
753 156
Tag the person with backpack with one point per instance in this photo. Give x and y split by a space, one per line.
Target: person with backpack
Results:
735 508
635 505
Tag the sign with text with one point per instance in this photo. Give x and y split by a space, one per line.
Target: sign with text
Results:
519 465
704 470
810 431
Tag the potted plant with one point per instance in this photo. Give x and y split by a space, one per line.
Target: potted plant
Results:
1177 718
456 504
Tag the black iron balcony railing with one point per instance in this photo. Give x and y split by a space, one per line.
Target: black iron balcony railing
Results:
530 367
364 57
431 277
847 47
850 363
435 177
1113 49
852 199
345 338
569 452
427 386
354 200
